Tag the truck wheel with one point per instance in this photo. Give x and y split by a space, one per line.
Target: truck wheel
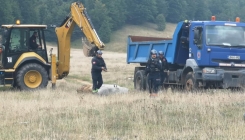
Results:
32 76
139 82
190 83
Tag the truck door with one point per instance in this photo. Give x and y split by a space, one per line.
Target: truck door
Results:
199 50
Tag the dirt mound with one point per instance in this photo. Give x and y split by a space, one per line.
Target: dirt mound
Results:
85 89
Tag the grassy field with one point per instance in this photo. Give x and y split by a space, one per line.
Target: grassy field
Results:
65 114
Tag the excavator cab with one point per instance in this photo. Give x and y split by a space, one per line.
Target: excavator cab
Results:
22 66
15 41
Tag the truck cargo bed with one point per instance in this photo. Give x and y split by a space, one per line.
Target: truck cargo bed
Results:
138 48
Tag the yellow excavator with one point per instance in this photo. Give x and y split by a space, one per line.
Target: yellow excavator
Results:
26 68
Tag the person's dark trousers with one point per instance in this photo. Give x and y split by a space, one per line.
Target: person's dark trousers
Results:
97 80
154 82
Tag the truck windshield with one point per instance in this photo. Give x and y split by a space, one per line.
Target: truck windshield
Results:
218 35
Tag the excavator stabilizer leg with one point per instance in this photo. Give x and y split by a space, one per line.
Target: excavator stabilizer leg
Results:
53 69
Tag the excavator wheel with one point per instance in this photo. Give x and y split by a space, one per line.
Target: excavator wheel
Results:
32 76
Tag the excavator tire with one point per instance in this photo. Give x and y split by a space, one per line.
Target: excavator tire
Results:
32 76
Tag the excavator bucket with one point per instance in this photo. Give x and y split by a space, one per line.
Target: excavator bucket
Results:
88 48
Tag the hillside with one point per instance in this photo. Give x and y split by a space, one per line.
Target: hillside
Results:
119 38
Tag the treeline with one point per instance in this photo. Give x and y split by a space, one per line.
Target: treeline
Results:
110 15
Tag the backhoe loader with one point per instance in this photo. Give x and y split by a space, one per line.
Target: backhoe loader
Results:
28 69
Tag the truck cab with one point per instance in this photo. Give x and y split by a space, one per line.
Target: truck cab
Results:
217 52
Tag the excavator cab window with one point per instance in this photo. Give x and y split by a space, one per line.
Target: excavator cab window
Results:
17 43
38 38
40 41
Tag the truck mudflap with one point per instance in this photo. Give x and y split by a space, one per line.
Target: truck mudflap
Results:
226 79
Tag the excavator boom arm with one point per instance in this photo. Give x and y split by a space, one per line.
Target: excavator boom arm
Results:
81 18
78 16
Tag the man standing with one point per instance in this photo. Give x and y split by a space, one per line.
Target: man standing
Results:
32 41
154 68
98 64
164 66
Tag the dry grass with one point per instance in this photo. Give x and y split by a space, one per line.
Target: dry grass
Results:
65 114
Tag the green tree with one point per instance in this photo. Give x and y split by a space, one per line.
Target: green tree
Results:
229 10
162 7
141 11
105 31
29 11
177 10
191 9
117 12
44 14
6 13
215 6
15 10
241 10
161 23
202 13
99 16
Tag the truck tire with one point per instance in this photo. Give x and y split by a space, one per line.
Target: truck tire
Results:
32 76
139 81
190 82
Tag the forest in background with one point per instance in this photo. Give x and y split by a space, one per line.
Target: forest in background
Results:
110 15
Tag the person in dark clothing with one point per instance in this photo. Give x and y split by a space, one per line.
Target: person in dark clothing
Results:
165 67
153 69
98 64
32 41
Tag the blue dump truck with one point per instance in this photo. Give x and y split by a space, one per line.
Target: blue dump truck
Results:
201 54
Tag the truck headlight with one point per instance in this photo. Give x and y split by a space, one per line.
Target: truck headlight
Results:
209 70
